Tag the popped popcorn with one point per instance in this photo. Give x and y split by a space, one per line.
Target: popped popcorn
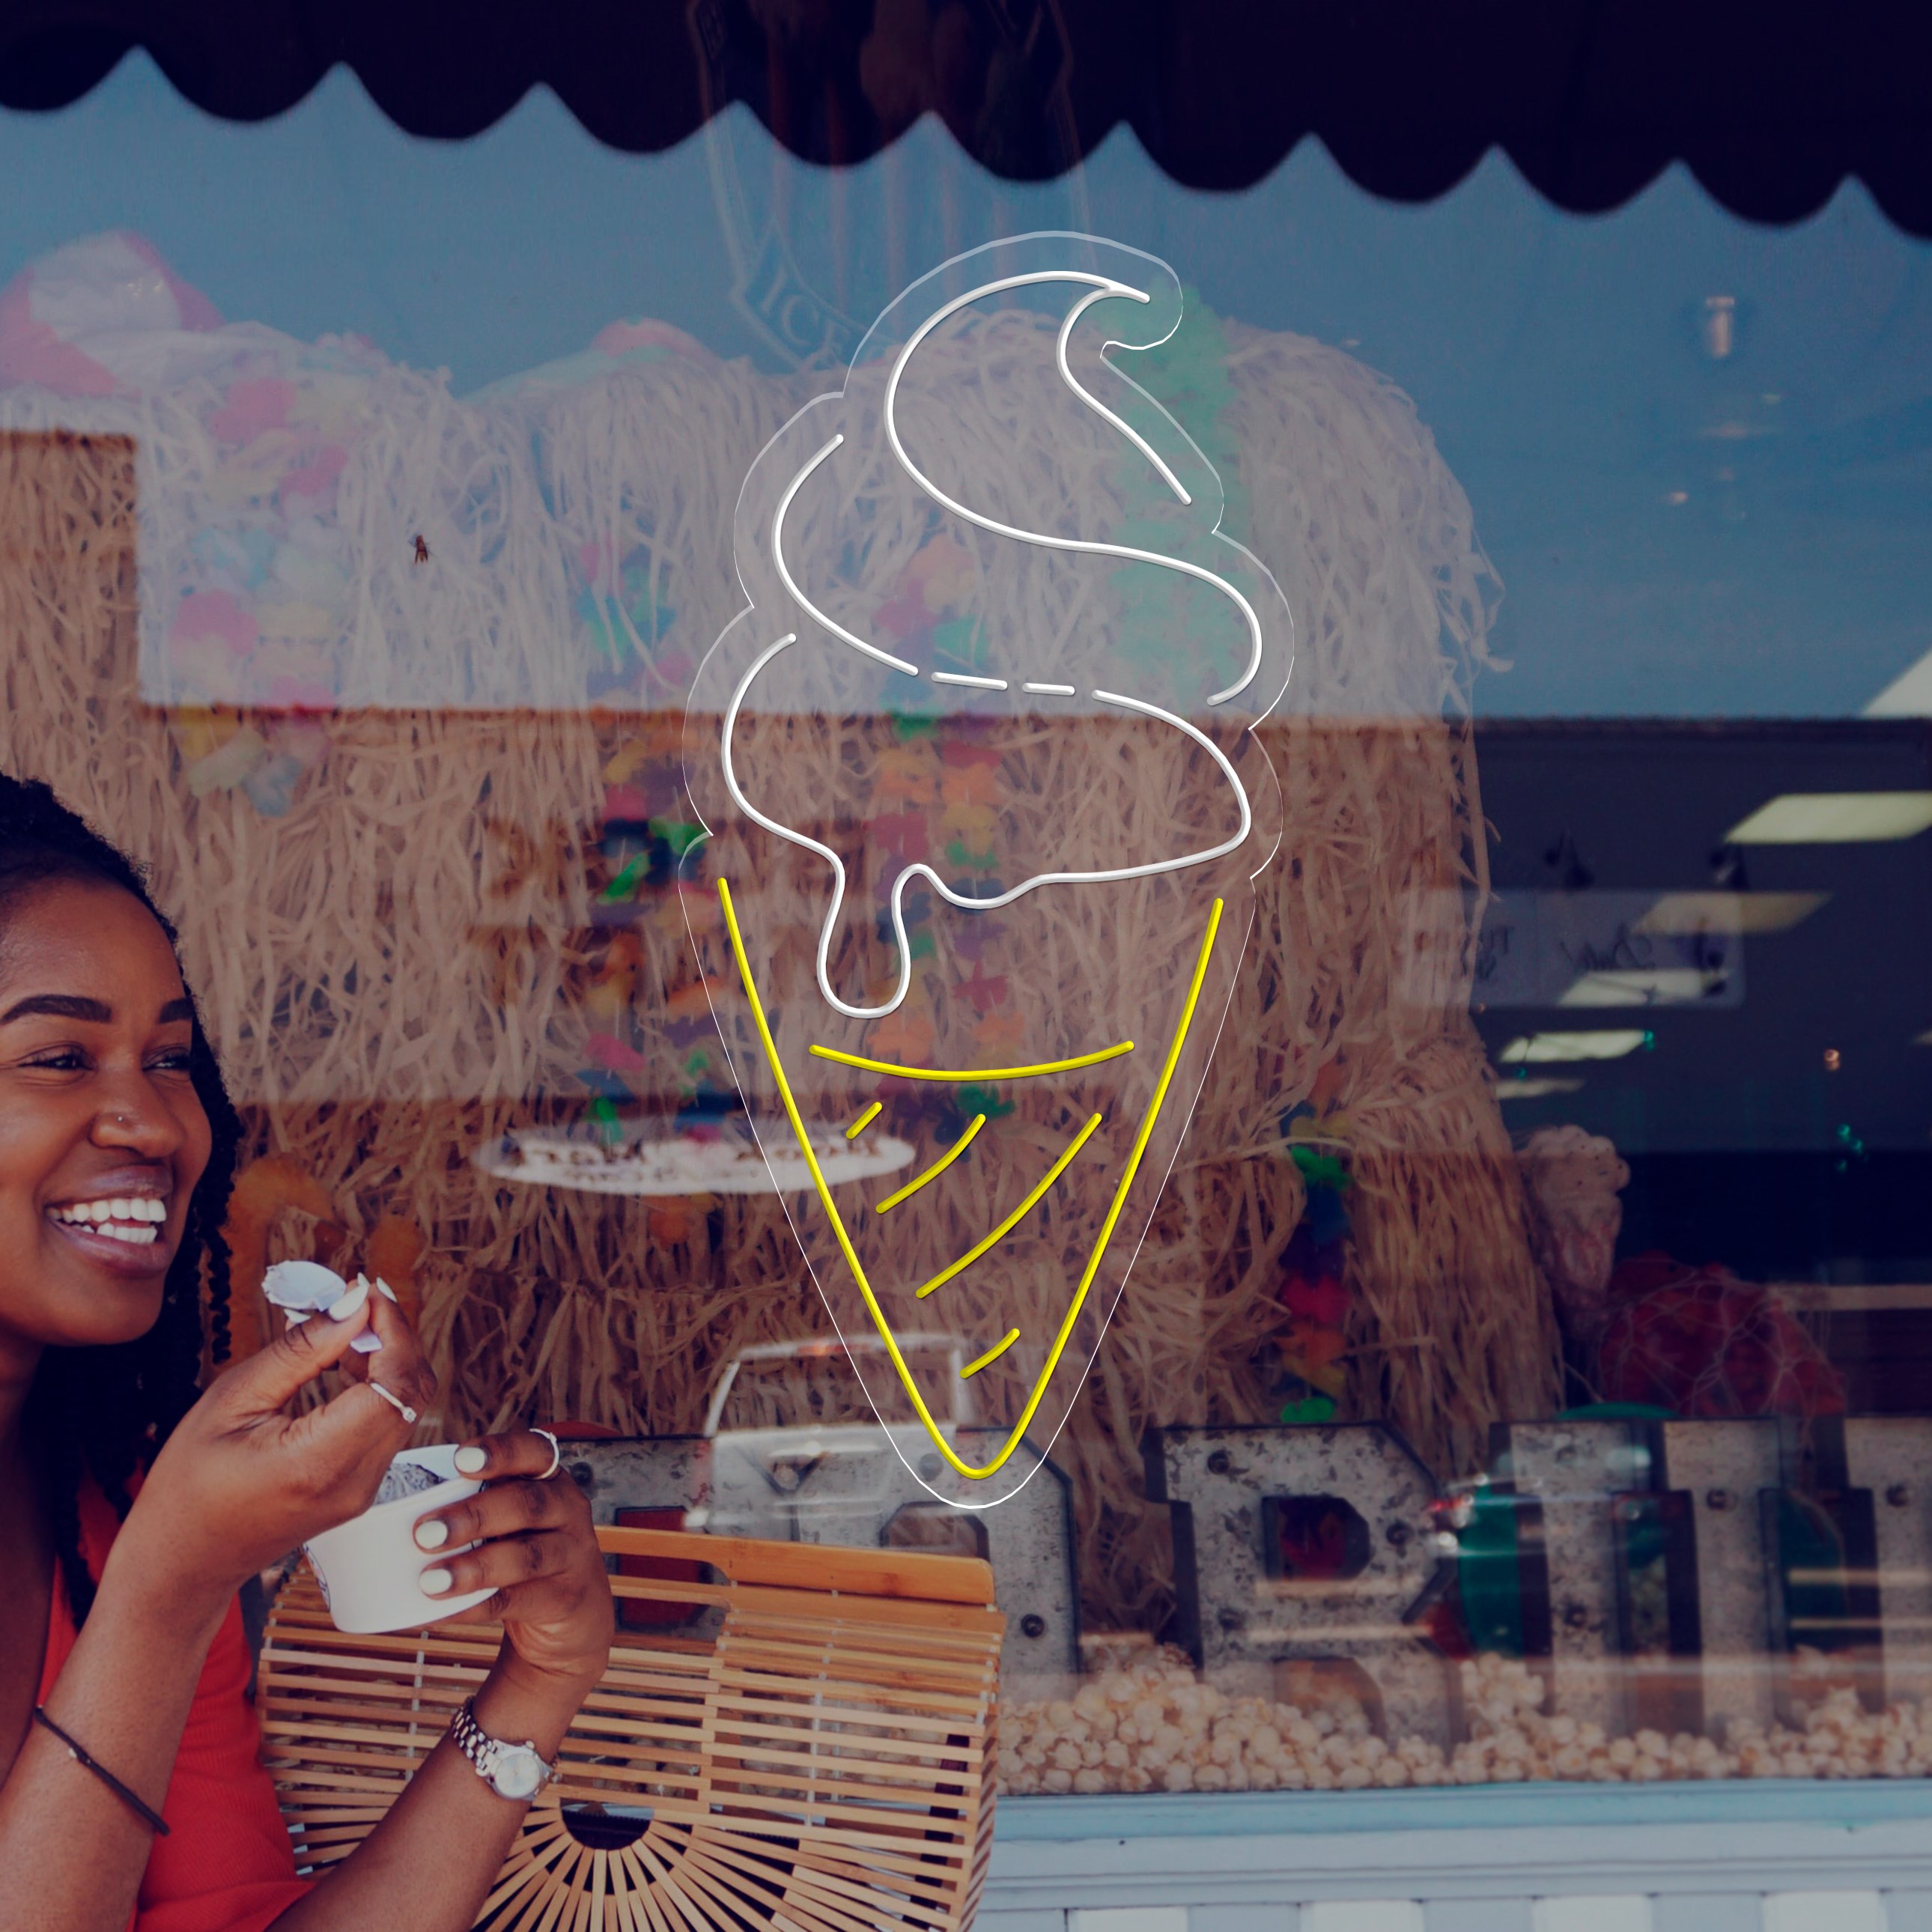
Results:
1174 1733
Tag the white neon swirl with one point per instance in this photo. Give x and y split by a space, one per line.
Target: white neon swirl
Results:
1093 402
1050 690
811 609
793 837
1083 545
965 903
975 683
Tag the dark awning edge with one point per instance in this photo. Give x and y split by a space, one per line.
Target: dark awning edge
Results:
1590 101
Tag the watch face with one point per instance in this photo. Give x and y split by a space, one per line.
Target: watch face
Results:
518 1773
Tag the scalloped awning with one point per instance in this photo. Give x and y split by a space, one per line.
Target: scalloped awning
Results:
1771 106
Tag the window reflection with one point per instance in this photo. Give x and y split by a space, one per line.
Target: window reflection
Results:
1527 1374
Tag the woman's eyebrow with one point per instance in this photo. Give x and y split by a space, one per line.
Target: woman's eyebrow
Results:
78 1007
59 1006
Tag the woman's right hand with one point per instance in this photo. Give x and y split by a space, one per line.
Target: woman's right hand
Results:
240 1483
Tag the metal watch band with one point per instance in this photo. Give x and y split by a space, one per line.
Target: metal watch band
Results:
483 1751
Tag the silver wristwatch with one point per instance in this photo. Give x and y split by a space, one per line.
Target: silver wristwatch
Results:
515 1771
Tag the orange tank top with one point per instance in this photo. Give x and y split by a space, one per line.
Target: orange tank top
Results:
226 1865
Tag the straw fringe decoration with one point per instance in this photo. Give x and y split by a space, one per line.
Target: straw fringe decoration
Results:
815 1748
403 965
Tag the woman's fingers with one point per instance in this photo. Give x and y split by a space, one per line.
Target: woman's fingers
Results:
505 1564
548 1602
362 1429
265 1381
517 1452
344 1446
399 1364
536 1553
512 1508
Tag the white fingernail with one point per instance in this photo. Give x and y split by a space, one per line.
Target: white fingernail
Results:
432 1535
383 1288
471 1461
436 1582
345 1306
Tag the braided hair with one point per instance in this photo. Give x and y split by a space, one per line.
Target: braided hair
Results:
104 1412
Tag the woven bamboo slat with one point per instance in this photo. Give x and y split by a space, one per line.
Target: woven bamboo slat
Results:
814 1751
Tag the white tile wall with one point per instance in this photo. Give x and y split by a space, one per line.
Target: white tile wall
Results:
1629 1912
1824 1912
1258 1918
1808 1867
1711 1911
1908 1911
1486 1915
1696 1912
1362 1915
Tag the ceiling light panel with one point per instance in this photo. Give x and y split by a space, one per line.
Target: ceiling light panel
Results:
1535 1089
1755 913
1643 986
1834 818
1538 1049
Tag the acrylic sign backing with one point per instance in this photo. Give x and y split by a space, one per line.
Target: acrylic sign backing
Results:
985 808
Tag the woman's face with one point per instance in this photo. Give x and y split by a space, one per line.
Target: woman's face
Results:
102 1136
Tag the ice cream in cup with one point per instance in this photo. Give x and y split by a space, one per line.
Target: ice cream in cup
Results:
984 806
301 1289
369 1568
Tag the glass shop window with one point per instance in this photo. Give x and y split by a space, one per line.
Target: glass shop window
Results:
1286 998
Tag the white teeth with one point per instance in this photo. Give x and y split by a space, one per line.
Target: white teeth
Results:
140 1214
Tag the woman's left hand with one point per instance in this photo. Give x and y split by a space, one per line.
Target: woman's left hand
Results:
536 1550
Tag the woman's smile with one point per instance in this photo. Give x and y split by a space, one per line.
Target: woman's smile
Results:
121 1221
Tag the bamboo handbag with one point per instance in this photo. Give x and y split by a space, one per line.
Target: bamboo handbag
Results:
807 1745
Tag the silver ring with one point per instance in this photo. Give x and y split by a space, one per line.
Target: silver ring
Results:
394 1401
555 1454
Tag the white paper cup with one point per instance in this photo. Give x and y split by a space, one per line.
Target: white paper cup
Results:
369 1568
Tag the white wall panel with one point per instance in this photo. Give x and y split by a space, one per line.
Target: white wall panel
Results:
1710 1912
1481 1914
1243 1918
1630 1913
1362 1915
1824 1912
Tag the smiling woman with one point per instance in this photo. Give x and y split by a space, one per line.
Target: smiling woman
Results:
131 1508
118 1310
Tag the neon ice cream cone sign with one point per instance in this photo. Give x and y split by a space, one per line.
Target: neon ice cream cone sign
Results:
990 708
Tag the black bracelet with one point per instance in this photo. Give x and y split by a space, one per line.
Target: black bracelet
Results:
155 1819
